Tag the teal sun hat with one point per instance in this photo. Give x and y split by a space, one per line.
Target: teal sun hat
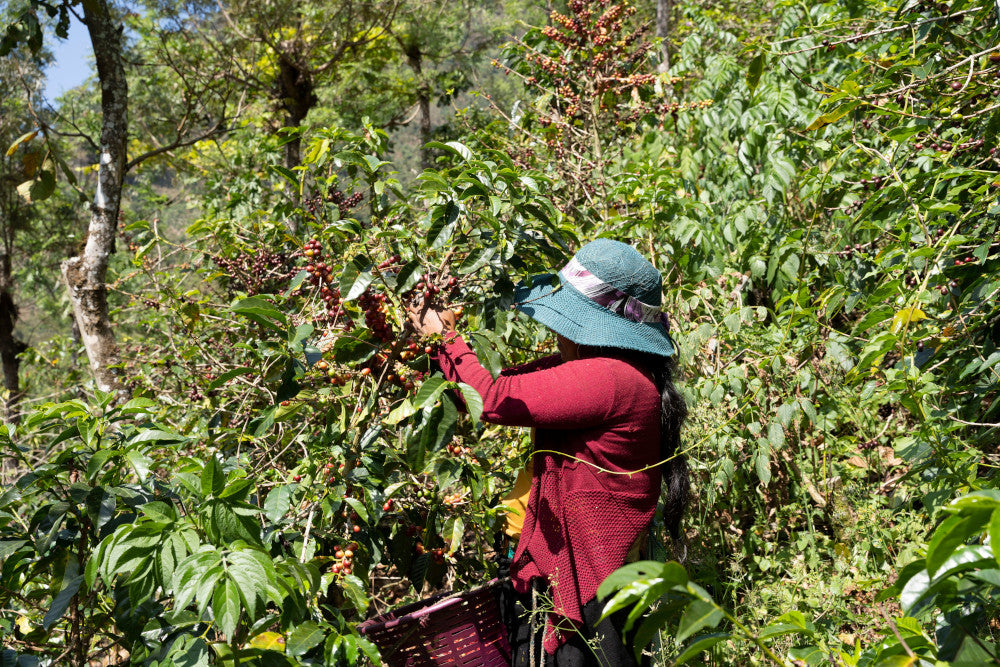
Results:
608 295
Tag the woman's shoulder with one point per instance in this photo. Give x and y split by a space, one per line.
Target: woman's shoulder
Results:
612 366
617 360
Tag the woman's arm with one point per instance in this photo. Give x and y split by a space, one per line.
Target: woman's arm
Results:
532 366
575 394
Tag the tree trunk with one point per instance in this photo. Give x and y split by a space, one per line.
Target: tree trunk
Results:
295 87
664 8
85 274
415 59
424 99
297 97
10 346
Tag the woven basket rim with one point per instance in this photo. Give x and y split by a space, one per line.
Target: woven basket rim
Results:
431 605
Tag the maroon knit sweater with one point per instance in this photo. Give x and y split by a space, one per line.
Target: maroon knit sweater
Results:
596 414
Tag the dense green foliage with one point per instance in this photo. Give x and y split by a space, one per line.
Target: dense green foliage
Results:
819 186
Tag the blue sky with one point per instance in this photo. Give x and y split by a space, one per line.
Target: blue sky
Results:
73 61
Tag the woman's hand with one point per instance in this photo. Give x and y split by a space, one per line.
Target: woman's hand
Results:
428 319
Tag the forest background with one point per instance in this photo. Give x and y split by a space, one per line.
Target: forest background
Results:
222 447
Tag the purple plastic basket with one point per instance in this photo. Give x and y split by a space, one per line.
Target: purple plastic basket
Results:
462 629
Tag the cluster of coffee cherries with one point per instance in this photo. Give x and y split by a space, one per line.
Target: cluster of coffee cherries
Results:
352 519
954 284
374 305
321 276
429 287
406 380
413 349
874 183
951 285
335 313
336 378
344 202
867 445
436 554
934 141
854 207
314 205
329 470
393 262
125 236
345 560
599 49
453 499
458 450
320 273
259 272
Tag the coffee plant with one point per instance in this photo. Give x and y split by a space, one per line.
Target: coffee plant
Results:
818 185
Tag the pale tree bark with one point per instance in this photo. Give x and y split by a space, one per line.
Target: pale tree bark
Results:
664 8
85 274
415 59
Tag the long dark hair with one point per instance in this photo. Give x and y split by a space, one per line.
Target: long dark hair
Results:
673 412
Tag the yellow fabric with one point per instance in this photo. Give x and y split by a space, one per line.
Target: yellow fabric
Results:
517 501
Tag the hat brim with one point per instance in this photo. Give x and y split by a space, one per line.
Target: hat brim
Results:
562 308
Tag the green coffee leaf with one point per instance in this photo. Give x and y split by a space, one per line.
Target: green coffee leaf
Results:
994 532
61 601
952 533
226 606
699 645
213 481
304 637
699 614
755 71
473 401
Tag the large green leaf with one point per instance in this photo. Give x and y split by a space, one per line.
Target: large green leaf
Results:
952 533
172 552
442 224
400 412
228 522
355 278
39 188
356 591
60 602
755 71
699 614
213 481
672 573
226 606
792 622
454 147
994 532
473 401
429 392
278 502
252 578
304 637
261 311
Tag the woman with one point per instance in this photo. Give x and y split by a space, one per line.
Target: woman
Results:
607 424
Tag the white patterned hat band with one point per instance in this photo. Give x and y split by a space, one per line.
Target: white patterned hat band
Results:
604 294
